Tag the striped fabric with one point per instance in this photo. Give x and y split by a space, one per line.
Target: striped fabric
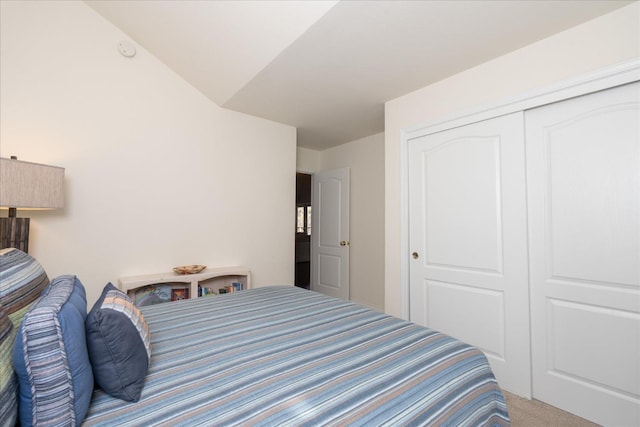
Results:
8 384
283 356
50 357
22 280
117 300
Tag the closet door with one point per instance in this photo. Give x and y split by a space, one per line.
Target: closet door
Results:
583 178
468 248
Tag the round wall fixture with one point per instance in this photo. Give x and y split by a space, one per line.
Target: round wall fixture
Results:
127 49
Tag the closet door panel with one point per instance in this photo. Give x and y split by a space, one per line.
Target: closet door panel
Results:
448 307
592 189
464 208
571 320
583 178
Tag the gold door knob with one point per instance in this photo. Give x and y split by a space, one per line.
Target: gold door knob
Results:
343 243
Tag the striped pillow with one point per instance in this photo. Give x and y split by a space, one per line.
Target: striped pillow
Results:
119 344
22 280
50 357
8 384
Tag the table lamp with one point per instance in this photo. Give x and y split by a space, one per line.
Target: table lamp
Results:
26 185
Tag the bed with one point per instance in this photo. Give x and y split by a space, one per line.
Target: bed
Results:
280 356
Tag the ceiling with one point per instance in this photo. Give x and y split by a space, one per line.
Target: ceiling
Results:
328 67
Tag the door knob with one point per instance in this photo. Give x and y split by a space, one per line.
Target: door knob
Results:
415 255
344 243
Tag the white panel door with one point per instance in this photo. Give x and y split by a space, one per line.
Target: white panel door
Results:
468 243
583 165
330 233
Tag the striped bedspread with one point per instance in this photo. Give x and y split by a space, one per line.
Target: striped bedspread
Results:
284 356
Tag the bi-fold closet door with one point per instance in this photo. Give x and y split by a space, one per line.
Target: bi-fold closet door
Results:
525 241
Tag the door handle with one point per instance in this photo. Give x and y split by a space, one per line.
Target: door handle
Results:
415 255
344 243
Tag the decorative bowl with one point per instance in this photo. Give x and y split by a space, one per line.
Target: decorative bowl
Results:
189 269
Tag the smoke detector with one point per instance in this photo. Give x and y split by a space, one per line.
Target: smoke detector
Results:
126 48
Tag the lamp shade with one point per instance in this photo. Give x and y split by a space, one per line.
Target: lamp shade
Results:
29 185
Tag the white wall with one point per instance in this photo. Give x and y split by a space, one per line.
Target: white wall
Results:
156 174
607 40
308 160
365 159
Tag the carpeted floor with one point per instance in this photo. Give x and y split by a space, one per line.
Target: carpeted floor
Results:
533 413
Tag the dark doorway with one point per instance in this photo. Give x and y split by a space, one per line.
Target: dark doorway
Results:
303 230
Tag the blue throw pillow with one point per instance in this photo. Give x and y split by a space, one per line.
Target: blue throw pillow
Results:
55 381
119 344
